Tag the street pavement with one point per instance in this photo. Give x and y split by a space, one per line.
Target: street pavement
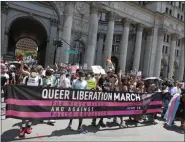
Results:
43 132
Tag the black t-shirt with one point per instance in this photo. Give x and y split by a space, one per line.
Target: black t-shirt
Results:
12 74
100 82
106 85
3 80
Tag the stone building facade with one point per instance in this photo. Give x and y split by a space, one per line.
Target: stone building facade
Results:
146 36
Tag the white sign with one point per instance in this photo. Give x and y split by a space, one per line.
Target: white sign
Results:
27 59
85 66
139 73
98 70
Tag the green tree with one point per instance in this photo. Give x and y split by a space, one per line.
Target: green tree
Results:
19 53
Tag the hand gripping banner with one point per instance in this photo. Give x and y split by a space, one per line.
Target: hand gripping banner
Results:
25 102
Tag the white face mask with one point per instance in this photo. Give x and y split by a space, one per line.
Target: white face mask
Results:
82 78
33 74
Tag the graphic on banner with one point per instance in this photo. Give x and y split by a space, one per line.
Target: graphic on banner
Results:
25 102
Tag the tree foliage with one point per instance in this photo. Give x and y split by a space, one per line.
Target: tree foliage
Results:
26 53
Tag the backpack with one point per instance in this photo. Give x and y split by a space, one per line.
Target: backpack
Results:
26 81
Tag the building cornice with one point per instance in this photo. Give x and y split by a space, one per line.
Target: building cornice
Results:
141 7
174 19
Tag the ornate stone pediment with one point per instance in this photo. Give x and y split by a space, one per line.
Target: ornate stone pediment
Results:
80 25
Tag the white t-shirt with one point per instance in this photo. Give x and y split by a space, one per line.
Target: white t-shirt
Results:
6 75
32 81
62 81
67 83
77 84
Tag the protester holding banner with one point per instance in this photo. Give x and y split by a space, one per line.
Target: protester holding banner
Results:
67 82
49 81
31 80
40 70
106 85
79 84
4 76
121 86
180 112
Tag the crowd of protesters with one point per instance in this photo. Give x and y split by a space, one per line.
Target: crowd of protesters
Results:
62 77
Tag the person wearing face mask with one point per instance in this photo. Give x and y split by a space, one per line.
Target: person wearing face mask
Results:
4 78
79 84
67 82
49 81
11 73
32 80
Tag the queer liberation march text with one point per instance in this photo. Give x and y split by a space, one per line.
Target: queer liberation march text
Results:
25 102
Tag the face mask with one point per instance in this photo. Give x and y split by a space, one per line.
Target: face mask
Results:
82 78
33 74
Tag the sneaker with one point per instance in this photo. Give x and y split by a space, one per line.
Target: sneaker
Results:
93 124
81 130
102 124
51 122
28 130
22 132
69 127
115 120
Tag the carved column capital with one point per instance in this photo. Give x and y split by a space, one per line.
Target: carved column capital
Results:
111 16
174 36
54 22
149 31
139 27
161 32
71 3
126 22
69 6
93 8
4 7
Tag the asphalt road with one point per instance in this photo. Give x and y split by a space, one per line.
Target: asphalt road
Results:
43 132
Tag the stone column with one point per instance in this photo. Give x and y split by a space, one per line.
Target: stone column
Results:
172 55
50 50
124 45
100 49
181 62
138 47
68 21
153 50
92 36
147 52
109 37
4 29
158 56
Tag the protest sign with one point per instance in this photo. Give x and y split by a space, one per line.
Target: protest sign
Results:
85 66
9 57
98 70
25 102
27 59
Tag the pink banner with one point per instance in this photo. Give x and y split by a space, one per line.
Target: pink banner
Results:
75 114
74 103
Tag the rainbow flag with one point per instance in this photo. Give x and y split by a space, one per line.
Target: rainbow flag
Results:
108 60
